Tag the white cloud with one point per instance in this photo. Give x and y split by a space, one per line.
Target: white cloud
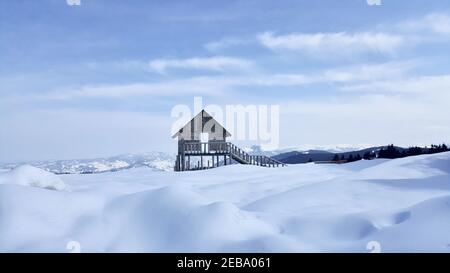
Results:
345 74
336 43
206 85
368 72
424 85
172 88
437 23
211 63
226 43
385 39
219 85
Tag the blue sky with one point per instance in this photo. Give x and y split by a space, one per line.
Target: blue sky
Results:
101 78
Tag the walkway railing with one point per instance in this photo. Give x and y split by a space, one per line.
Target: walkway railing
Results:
227 148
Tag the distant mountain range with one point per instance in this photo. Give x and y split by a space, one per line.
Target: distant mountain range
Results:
388 151
160 161
156 160
297 157
338 148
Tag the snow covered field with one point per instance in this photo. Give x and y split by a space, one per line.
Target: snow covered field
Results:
403 204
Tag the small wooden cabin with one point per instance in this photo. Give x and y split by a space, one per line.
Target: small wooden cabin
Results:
202 144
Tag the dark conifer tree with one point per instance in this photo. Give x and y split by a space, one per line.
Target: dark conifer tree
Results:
350 158
366 156
389 152
335 158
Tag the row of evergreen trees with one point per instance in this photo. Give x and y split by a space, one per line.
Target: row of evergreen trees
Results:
350 158
392 152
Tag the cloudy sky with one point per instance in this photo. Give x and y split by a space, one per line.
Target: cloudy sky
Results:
101 78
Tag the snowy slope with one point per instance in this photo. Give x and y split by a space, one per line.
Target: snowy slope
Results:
27 175
403 204
155 160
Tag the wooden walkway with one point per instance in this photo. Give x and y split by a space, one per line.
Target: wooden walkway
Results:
219 152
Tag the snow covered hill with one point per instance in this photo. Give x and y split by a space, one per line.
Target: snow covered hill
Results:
154 160
336 148
400 205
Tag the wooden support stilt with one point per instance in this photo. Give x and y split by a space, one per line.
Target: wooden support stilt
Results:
182 162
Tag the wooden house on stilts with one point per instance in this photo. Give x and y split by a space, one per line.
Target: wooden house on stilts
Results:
202 144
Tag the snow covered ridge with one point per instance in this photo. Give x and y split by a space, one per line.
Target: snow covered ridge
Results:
402 204
27 175
332 148
155 160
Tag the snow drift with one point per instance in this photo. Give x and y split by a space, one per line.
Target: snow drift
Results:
27 175
402 204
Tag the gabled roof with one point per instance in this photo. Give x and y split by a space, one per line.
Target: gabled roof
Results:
203 114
